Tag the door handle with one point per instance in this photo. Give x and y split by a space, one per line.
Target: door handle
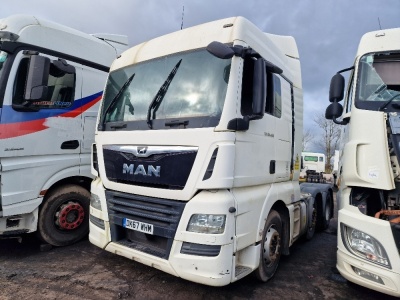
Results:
272 167
74 144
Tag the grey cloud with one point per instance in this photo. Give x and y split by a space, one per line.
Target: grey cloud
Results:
327 31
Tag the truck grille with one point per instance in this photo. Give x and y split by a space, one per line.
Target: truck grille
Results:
149 166
162 214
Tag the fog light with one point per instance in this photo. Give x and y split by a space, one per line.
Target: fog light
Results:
368 275
204 223
95 201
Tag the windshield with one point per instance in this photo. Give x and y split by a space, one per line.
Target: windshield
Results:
379 82
185 89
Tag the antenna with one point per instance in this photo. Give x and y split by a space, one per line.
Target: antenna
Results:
379 21
183 13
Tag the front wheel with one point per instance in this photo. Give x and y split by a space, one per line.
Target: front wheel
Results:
64 216
271 247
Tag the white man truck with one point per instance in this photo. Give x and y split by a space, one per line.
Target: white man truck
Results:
197 154
369 171
312 167
313 161
51 81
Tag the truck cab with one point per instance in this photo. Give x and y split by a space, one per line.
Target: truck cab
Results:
51 81
197 154
368 170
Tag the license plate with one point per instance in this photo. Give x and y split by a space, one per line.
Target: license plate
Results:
138 226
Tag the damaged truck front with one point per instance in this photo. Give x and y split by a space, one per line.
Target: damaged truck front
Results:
369 172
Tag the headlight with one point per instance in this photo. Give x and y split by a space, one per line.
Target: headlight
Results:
95 201
203 223
364 246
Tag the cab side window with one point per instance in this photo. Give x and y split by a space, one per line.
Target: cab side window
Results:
60 87
274 96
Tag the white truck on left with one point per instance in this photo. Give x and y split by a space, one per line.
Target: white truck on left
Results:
51 80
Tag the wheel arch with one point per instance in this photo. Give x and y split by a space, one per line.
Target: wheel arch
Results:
283 211
66 176
74 180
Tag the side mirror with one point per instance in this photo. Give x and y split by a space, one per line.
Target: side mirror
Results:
259 97
259 89
220 50
336 90
60 67
37 78
334 111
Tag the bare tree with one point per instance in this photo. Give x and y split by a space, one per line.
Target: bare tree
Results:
329 139
307 139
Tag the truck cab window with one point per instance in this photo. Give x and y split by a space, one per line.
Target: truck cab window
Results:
61 87
378 81
274 100
187 86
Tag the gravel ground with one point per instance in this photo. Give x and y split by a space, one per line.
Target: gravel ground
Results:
82 271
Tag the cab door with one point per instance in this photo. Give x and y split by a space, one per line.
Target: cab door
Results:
279 105
40 127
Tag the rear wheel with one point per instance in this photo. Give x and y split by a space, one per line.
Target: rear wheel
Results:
312 225
64 216
271 247
325 217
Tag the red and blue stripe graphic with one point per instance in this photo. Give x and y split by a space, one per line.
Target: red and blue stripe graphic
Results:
14 123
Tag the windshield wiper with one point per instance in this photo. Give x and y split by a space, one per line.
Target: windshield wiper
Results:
158 98
388 102
114 100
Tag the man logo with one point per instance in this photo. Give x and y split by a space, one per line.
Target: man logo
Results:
141 150
140 170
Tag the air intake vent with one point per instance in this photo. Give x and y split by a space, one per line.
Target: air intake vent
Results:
210 167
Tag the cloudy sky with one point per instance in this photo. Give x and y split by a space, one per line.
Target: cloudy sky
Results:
327 31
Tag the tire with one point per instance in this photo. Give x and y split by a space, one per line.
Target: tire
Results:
325 217
313 225
271 246
64 216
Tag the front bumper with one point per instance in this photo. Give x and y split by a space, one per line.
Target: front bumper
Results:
216 269
376 277
391 280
